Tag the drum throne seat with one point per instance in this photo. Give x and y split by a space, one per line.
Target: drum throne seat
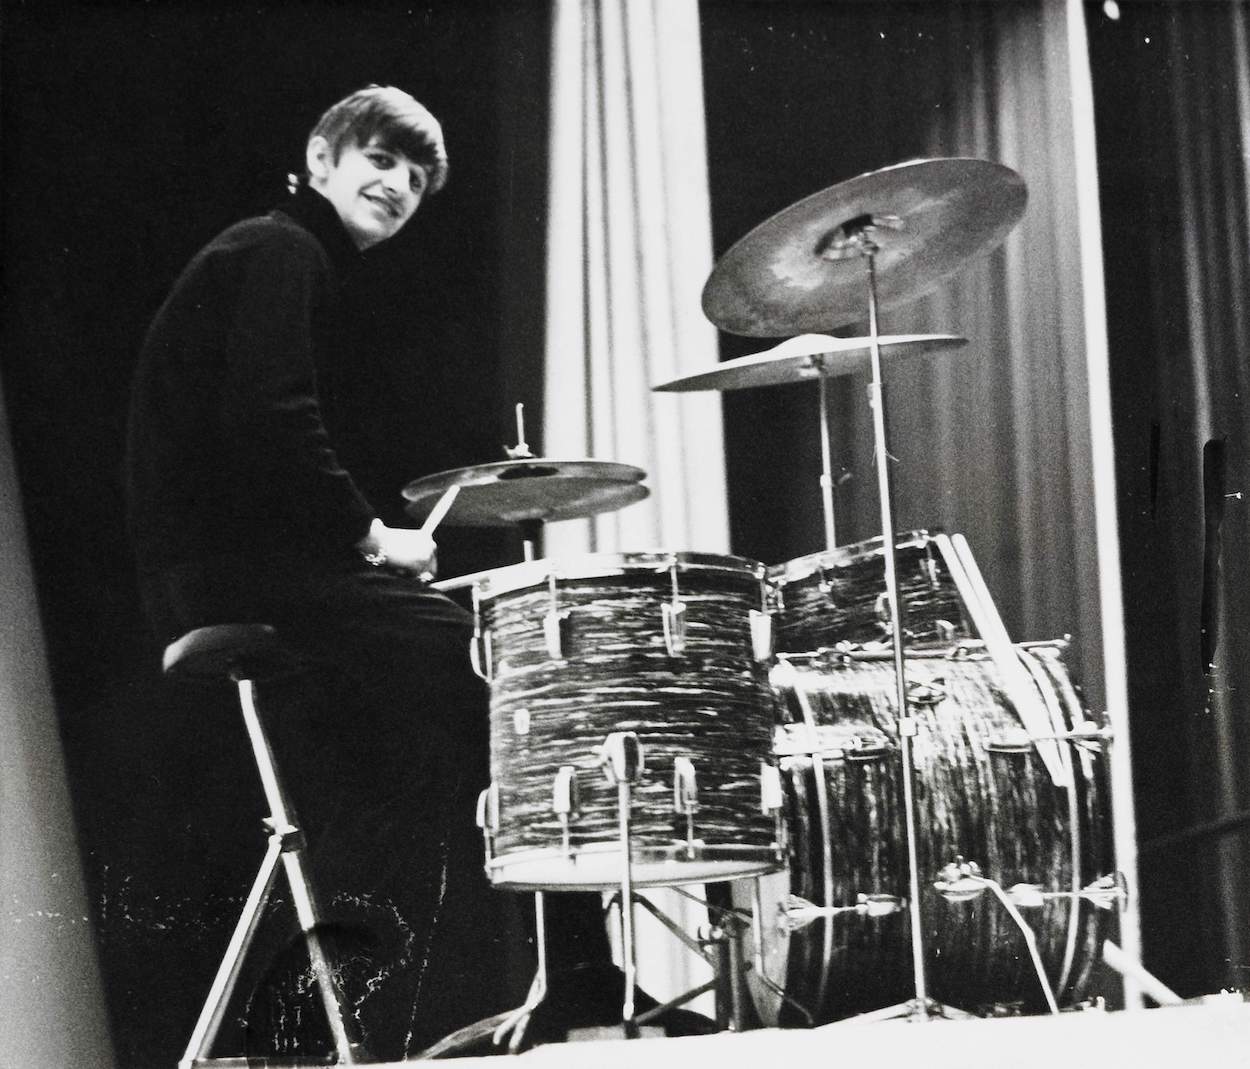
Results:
247 654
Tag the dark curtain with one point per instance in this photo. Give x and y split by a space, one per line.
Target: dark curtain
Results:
1172 94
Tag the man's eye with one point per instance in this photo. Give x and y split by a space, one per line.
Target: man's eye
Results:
381 160
417 184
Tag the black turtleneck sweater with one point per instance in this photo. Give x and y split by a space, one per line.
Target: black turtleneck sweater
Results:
228 451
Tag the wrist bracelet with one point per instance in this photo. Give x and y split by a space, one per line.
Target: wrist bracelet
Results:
377 559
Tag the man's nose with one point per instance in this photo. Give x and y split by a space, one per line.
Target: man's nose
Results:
396 180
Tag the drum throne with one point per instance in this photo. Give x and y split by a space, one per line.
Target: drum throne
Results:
247 654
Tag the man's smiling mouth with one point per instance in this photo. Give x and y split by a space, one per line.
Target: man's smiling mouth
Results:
385 204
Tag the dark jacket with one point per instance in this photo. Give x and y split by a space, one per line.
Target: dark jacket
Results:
228 451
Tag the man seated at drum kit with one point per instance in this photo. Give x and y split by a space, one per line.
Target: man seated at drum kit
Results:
631 709
241 511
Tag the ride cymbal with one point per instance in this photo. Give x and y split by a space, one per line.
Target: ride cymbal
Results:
808 356
519 491
802 271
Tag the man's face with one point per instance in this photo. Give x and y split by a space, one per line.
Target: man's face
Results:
374 189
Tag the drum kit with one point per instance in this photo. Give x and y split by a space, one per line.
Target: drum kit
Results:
890 816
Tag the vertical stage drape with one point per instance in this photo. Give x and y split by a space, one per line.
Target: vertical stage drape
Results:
994 440
629 247
51 1006
1176 114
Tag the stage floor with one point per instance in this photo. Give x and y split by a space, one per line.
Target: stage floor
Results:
1214 1033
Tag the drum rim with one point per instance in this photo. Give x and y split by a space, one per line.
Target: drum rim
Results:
525 574
802 567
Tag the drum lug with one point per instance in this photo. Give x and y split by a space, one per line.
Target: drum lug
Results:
960 881
557 630
686 797
480 656
488 818
621 758
761 635
674 618
1017 741
565 803
927 692
772 802
881 609
856 750
772 797
797 912
929 568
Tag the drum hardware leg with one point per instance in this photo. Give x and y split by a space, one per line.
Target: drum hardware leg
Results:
622 760
518 1020
961 881
721 947
1151 985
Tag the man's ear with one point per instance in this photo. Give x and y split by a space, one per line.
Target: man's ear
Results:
319 158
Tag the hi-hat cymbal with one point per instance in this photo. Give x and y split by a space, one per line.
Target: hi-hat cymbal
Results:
520 491
808 356
800 271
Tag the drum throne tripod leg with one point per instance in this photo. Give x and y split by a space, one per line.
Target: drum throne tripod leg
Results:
234 651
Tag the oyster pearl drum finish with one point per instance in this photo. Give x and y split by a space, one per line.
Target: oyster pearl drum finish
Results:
668 646
824 599
982 796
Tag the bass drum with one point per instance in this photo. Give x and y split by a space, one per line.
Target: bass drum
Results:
982 796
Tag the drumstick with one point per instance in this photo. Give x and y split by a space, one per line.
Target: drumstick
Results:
441 507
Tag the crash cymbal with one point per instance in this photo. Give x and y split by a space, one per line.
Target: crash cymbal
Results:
520 491
808 357
801 272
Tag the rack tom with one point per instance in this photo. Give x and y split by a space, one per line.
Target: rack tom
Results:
839 596
671 647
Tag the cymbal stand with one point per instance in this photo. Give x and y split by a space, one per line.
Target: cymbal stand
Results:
531 538
531 530
854 238
826 464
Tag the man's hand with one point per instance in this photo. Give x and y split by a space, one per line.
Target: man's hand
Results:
400 548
